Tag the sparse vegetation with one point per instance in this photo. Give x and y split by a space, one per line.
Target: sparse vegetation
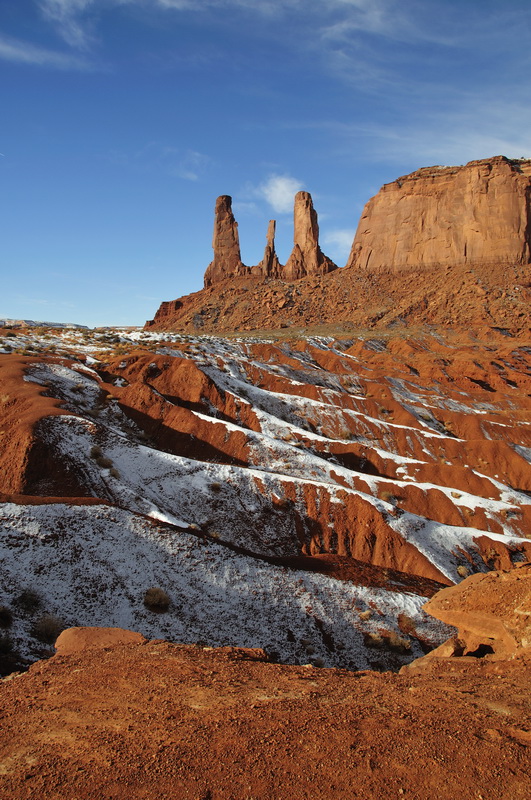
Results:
463 571
47 628
103 462
6 617
156 599
28 600
6 644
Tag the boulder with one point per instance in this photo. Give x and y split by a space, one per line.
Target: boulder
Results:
492 614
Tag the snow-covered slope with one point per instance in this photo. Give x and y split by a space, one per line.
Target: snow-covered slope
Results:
211 454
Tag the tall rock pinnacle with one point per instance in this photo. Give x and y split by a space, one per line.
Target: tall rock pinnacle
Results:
269 266
306 257
227 261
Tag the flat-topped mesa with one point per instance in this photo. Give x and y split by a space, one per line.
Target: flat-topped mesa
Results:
269 266
306 257
227 262
478 213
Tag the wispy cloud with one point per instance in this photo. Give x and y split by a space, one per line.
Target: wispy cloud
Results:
278 191
66 17
340 240
20 52
189 165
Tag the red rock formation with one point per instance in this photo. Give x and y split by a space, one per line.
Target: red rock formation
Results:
227 260
269 266
479 213
492 614
306 257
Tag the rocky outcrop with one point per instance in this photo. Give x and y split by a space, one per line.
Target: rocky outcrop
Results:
492 614
478 213
227 260
306 257
269 266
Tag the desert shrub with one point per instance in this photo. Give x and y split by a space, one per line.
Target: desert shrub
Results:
6 644
372 639
365 614
215 487
95 452
28 600
113 472
6 617
396 643
386 496
462 571
407 624
47 628
103 462
156 599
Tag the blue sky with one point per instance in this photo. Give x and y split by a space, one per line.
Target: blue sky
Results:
121 121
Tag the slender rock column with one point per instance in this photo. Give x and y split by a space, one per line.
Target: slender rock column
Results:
306 257
227 261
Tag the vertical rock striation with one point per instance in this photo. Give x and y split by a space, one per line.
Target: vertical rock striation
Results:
478 213
306 257
227 261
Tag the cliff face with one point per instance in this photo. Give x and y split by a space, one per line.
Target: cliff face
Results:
448 215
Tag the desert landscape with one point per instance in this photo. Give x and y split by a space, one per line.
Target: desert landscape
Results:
278 542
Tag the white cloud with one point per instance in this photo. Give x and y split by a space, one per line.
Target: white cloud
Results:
155 156
191 166
341 240
279 191
22 52
64 14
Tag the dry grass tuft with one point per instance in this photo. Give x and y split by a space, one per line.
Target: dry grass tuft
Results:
47 628
156 599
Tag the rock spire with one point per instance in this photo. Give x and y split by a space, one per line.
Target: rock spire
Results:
227 261
269 266
306 257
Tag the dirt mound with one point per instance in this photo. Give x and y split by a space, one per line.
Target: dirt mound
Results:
150 719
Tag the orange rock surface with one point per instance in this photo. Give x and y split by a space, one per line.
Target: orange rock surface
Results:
114 715
479 213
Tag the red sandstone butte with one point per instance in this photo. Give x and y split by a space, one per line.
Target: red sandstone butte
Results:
478 213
